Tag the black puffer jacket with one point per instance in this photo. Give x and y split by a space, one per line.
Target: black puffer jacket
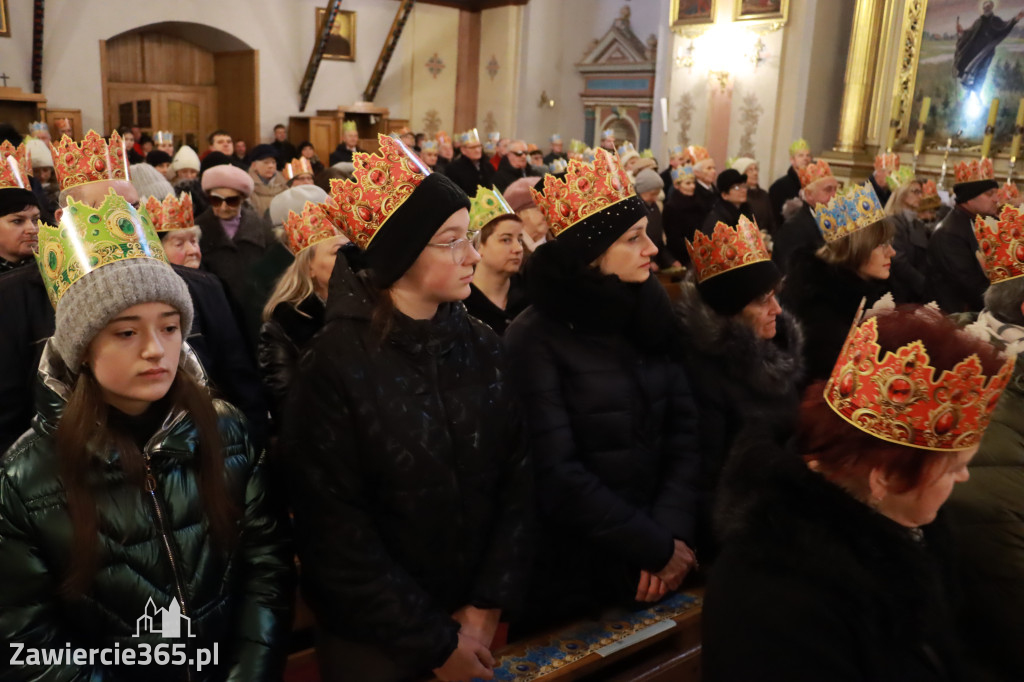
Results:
410 482
612 427
282 339
242 601
824 298
737 380
814 585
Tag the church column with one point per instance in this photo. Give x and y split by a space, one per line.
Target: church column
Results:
467 72
645 130
861 68
589 124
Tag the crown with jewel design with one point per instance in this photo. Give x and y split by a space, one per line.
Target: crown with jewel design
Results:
308 228
20 154
163 137
380 184
487 205
576 146
94 160
1008 193
11 176
585 190
558 166
38 127
471 137
728 248
429 146
814 171
1001 242
626 149
608 134
929 196
297 167
173 213
975 170
887 161
695 154
678 150
898 398
348 127
682 172
89 238
556 138
849 211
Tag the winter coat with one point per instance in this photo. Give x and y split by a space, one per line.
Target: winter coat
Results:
481 307
881 191
264 192
761 208
724 212
410 483
824 298
956 279
682 218
285 152
814 585
467 175
737 380
798 233
341 154
782 190
656 233
282 339
28 320
707 196
612 428
150 547
910 265
506 175
986 514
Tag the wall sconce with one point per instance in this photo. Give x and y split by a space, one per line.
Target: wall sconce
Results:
758 51
684 56
545 101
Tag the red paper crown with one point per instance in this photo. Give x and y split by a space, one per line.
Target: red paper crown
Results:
696 153
380 184
727 249
92 161
929 189
310 227
10 172
973 171
898 399
20 154
888 161
1008 194
171 213
814 171
1001 242
585 190
297 167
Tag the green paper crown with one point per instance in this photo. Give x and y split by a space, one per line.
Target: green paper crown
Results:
347 126
88 238
899 177
485 207
799 146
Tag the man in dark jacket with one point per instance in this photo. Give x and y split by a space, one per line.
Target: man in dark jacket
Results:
285 149
788 186
557 151
348 146
731 202
513 166
706 192
801 231
956 280
470 170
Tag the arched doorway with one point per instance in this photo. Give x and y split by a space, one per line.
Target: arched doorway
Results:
185 77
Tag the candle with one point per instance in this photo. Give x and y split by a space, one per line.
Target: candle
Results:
1015 147
986 143
993 110
919 141
926 105
1020 112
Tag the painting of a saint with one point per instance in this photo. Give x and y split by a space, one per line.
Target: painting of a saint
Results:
692 12
747 10
976 46
341 43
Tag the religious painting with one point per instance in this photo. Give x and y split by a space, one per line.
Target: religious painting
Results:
971 53
761 10
341 43
5 20
686 12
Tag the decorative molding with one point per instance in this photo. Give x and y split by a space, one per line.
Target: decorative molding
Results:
490 123
684 117
493 67
750 116
435 65
906 69
431 122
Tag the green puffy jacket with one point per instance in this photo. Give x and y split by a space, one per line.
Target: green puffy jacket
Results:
152 547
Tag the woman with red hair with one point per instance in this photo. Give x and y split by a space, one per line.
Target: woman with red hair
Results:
832 567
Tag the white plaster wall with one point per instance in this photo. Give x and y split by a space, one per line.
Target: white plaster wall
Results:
16 51
501 33
432 29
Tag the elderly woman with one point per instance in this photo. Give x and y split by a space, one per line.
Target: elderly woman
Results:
909 283
832 567
825 286
683 213
497 293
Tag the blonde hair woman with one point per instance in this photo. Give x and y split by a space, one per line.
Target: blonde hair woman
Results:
909 283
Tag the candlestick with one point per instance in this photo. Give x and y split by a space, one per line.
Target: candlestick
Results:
926 105
990 129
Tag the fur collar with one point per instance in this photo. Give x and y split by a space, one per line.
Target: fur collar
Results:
770 367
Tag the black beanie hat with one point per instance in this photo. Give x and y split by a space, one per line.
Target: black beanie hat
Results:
592 236
14 199
262 151
731 291
214 159
965 191
728 178
157 157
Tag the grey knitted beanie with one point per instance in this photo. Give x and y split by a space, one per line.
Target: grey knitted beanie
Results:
100 296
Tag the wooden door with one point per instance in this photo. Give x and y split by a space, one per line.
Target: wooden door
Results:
191 116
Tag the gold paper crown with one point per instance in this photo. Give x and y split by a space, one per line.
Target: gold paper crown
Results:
487 205
297 167
471 137
348 127
848 212
171 213
1001 242
308 228
20 154
585 190
87 239
10 173
727 249
93 161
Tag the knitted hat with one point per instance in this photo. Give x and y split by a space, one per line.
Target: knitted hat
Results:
518 194
647 180
127 267
185 158
294 199
149 182
743 163
157 158
39 153
229 177
262 151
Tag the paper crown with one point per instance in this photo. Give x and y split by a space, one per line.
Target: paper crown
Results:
849 211
887 161
380 184
429 146
1008 193
163 137
558 166
929 196
627 148
297 167
171 213
585 190
556 138
87 239
471 136
608 134
1001 242
647 154
494 136
899 177
11 175
348 127
93 161
682 172
799 146
486 206
532 148
443 138
589 155
898 398
489 147
19 153
975 170
678 150
727 249
695 154
814 171
576 146
312 226
38 127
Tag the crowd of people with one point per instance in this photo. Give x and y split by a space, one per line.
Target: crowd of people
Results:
475 391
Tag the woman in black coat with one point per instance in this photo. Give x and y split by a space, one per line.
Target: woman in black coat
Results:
684 213
909 266
409 477
611 420
825 287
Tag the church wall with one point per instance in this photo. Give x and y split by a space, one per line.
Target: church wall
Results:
500 40
432 31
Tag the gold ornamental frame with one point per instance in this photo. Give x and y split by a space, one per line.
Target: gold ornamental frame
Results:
911 33
781 16
676 23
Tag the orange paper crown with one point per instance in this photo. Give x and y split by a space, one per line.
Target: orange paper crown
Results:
310 227
813 172
1001 241
380 184
93 161
899 399
1008 193
297 167
973 171
20 154
585 190
11 175
727 249
696 153
171 213
888 161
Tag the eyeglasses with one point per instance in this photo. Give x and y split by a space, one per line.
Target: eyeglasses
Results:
233 202
518 153
736 188
460 249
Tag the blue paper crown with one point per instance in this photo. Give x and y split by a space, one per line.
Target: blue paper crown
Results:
848 212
